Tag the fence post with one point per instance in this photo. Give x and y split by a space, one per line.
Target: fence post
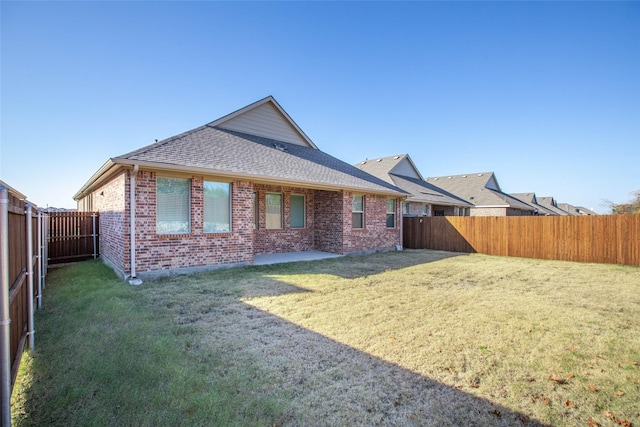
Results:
29 223
5 343
40 259
45 248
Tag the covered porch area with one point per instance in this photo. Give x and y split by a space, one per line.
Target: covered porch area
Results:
279 258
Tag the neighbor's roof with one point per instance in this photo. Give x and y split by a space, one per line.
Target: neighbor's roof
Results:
213 149
481 189
550 203
531 200
401 171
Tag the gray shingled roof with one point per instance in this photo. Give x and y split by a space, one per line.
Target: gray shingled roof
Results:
224 152
473 188
550 203
420 190
424 192
531 199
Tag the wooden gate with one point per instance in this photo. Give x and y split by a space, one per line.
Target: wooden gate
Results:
73 236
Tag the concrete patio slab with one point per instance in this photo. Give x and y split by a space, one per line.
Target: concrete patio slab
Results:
292 257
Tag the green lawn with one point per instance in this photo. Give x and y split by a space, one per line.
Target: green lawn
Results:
400 338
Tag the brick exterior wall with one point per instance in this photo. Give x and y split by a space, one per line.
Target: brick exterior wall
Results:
286 239
328 221
112 201
195 249
327 226
375 234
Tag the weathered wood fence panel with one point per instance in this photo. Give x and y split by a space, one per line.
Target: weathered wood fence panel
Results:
611 239
21 282
73 236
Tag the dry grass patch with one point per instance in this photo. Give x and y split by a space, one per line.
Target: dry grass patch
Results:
402 338
429 338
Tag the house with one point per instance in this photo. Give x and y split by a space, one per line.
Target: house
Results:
550 203
426 199
247 184
575 210
531 200
482 190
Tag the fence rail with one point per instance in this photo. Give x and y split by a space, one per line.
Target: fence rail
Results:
611 239
73 236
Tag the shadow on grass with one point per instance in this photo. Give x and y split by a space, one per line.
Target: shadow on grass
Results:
260 357
320 380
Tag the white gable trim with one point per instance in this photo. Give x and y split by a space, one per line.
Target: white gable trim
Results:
287 130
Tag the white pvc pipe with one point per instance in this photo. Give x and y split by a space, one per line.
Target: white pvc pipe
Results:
93 216
5 320
29 222
132 227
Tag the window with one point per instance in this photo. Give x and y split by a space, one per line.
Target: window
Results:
405 208
357 212
391 213
297 211
438 213
274 210
255 210
173 196
217 207
425 210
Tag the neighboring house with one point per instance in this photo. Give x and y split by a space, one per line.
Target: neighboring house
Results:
531 200
249 183
551 204
482 190
575 210
426 199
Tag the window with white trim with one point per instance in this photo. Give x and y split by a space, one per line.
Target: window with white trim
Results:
173 205
357 212
391 213
273 214
297 211
217 207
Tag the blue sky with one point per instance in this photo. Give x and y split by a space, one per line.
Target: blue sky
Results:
544 94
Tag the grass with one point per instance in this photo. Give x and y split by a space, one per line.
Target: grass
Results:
410 338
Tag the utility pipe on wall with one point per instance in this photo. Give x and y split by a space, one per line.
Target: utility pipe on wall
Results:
5 320
29 222
132 227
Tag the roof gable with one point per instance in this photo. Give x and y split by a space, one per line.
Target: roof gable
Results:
406 167
401 165
267 119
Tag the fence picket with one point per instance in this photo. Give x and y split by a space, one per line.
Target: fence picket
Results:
611 239
71 236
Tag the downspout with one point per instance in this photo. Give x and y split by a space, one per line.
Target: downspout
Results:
401 226
5 320
132 227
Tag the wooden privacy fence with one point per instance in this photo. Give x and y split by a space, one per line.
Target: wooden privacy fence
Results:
73 236
24 266
611 239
